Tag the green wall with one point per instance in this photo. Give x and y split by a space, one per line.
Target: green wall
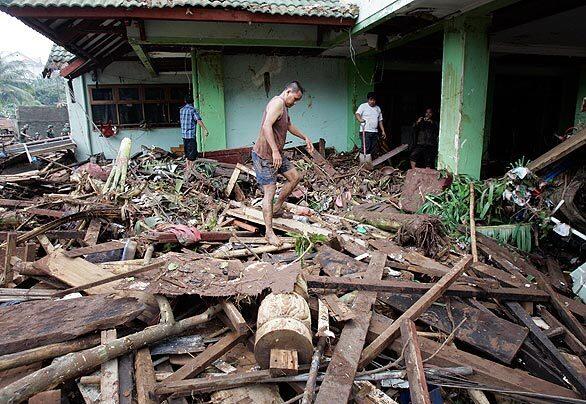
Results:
210 84
360 82
463 100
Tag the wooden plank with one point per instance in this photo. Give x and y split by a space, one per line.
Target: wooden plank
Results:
323 163
54 234
537 335
486 372
383 340
556 276
337 384
103 247
485 331
414 363
283 362
338 309
125 378
570 339
503 276
36 323
204 359
393 286
279 223
566 147
336 264
232 181
46 397
389 154
145 377
7 270
237 322
109 393
93 232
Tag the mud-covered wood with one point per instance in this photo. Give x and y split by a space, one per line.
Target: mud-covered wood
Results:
482 329
383 340
145 377
337 384
284 362
103 247
109 384
335 263
414 364
337 308
33 324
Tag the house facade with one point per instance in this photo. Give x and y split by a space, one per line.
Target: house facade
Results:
502 76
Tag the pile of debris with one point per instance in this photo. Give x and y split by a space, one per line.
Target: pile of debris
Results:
134 281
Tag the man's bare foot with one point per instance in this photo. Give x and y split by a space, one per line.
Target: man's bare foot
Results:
273 239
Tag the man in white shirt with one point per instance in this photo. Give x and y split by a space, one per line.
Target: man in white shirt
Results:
370 117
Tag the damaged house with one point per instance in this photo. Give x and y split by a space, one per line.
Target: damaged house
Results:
127 275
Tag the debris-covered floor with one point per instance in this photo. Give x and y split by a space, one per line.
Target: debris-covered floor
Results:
130 281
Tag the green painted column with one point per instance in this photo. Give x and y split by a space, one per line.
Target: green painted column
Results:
195 92
580 117
463 100
360 82
209 76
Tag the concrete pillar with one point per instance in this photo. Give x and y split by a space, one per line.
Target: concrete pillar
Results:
208 90
464 90
580 117
360 82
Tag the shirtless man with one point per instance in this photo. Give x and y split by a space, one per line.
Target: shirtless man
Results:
267 155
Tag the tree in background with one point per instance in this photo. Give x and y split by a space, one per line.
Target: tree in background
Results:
19 86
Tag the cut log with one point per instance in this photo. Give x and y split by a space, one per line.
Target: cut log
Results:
384 340
79 363
337 384
32 324
414 364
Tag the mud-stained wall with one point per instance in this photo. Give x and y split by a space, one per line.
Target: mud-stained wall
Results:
251 80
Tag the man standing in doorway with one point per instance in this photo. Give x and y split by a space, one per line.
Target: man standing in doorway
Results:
268 158
189 118
426 131
370 117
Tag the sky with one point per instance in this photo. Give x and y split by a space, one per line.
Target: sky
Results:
16 36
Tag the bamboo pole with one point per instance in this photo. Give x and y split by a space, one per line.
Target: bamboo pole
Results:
79 363
473 226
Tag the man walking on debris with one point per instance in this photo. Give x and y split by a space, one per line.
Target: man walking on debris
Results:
370 117
189 118
267 154
426 131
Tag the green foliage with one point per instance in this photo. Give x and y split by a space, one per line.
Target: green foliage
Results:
515 234
304 242
18 86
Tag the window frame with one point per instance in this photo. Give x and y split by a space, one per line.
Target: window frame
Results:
167 101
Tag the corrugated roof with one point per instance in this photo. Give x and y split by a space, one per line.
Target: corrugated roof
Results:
58 57
319 8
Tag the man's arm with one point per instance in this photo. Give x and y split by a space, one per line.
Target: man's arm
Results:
382 129
359 117
199 121
296 132
274 111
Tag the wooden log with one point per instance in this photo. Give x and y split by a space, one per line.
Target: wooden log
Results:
42 353
145 377
337 384
198 364
283 362
414 363
237 322
283 322
384 340
109 393
576 379
79 363
7 270
393 286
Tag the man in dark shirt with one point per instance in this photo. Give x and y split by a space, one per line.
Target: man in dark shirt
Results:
426 131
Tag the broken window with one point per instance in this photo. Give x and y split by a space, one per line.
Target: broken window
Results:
132 105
